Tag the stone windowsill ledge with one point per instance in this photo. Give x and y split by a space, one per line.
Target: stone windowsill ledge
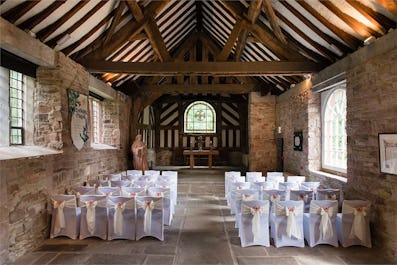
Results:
103 147
24 151
322 174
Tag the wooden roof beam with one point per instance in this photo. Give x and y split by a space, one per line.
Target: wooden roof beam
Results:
341 46
227 49
283 51
253 12
152 31
201 88
115 21
205 68
47 31
391 6
53 42
271 16
18 11
377 19
350 40
356 25
36 19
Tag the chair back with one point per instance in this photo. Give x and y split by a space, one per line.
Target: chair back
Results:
252 177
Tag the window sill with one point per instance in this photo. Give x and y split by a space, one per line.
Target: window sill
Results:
322 174
103 147
24 151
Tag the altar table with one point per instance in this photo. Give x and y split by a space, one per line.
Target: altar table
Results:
192 153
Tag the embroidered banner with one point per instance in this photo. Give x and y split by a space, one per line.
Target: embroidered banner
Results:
78 113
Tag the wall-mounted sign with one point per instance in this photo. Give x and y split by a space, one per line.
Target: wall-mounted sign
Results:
78 114
298 141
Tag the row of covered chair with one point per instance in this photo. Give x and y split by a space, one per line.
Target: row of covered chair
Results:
290 226
254 200
107 217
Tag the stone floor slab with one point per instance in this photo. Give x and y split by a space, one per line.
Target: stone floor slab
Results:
267 261
116 259
159 260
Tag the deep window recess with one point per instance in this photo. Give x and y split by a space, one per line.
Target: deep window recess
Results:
200 117
96 121
16 108
334 139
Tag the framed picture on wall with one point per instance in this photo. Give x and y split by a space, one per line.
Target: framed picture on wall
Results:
388 153
298 141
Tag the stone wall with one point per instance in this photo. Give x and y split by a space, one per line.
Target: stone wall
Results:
371 89
261 125
26 183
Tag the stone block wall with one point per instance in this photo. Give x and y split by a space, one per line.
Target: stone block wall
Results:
372 109
27 183
261 125
371 90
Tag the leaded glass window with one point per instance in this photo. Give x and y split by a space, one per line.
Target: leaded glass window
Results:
200 117
16 108
334 131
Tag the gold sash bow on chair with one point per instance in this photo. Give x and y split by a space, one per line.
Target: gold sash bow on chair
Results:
148 206
326 213
359 224
293 228
60 222
256 212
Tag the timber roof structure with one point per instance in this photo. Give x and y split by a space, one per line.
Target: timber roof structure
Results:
236 46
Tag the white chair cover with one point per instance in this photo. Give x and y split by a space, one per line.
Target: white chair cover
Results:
104 183
134 172
132 192
296 179
65 216
319 225
155 173
114 176
121 217
288 186
148 178
330 194
237 197
109 191
231 176
168 208
237 185
254 177
302 195
84 190
120 183
93 220
149 217
254 223
310 185
171 176
275 177
164 182
273 196
353 224
143 184
287 224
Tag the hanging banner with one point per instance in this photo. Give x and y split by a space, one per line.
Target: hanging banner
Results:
78 114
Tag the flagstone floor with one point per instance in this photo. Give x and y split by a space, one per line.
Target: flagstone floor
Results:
202 232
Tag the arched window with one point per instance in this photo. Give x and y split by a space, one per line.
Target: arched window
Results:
334 155
200 117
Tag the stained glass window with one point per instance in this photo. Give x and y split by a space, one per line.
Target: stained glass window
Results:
200 117
334 131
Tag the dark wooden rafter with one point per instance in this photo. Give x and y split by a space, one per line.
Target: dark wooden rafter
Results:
342 47
115 21
232 115
67 50
205 68
261 31
199 15
97 51
18 11
227 49
377 19
152 31
253 12
356 25
36 19
53 42
47 31
324 51
199 88
390 5
169 114
167 106
350 40
271 16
